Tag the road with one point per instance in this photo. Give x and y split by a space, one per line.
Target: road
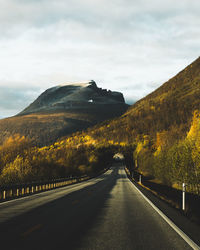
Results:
103 213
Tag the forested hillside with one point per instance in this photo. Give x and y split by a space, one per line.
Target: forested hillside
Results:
169 108
165 127
159 135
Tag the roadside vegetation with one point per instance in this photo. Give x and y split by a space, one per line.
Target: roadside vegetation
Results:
22 162
159 137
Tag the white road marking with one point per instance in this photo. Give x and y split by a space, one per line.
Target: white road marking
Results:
190 242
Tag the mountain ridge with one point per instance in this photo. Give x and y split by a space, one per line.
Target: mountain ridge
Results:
63 110
73 96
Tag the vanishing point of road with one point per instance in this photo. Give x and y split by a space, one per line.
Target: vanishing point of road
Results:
106 212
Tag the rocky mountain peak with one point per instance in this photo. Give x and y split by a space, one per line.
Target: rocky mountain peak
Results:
72 96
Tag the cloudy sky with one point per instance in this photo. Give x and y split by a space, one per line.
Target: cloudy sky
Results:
132 46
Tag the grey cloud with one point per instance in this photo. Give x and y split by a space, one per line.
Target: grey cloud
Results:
148 23
118 14
118 42
13 100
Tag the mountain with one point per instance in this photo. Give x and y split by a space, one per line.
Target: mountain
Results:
170 107
159 137
72 97
161 132
62 110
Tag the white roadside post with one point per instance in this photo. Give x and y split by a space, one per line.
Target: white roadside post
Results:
183 197
140 180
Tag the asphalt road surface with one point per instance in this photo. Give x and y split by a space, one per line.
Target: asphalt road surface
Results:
103 213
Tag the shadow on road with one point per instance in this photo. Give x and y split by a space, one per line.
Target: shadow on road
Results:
62 223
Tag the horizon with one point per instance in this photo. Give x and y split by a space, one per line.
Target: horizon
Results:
125 46
127 101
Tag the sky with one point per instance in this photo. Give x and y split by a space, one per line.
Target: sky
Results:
131 46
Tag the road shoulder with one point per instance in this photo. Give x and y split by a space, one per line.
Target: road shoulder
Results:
188 227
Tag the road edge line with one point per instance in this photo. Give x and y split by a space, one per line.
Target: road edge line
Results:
190 242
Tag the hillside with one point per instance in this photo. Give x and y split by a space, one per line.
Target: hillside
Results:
62 110
170 107
159 137
172 104
163 130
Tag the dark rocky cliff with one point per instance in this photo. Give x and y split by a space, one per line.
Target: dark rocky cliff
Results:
72 96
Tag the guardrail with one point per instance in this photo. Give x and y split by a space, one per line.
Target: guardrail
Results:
186 193
23 189
18 190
